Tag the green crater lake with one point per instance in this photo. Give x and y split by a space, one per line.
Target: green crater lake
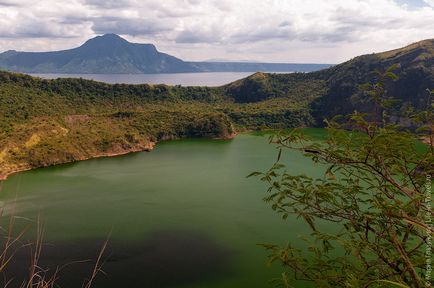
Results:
183 215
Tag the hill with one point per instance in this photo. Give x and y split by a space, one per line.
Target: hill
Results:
415 71
111 54
337 89
45 122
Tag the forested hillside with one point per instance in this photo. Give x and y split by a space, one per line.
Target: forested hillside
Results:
44 122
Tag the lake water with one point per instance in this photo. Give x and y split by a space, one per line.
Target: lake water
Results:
183 215
184 79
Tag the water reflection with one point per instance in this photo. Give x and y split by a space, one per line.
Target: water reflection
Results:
162 259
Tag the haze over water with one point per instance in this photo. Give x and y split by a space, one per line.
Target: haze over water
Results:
184 79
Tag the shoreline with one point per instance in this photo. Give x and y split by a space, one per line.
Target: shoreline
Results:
5 176
149 147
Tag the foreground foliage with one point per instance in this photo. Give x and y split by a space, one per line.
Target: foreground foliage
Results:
376 190
13 242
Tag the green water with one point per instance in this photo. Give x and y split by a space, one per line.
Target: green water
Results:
183 215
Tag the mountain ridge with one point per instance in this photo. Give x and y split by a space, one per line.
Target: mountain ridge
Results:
112 54
108 53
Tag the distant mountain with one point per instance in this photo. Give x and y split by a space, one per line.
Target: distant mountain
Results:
111 54
103 54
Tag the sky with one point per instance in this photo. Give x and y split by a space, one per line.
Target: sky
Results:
297 31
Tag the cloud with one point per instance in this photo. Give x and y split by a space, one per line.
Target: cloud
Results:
36 29
429 2
8 3
125 26
109 4
270 30
191 36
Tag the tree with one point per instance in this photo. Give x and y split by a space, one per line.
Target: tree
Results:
376 189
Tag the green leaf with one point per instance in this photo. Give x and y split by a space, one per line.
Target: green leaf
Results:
254 174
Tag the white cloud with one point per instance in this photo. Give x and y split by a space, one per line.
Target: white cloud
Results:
429 2
266 30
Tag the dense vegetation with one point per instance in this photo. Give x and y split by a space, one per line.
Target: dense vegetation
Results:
53 121
43 122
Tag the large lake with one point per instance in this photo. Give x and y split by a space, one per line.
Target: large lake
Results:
184 79
183 215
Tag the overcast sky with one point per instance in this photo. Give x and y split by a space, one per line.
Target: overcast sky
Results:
315 31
